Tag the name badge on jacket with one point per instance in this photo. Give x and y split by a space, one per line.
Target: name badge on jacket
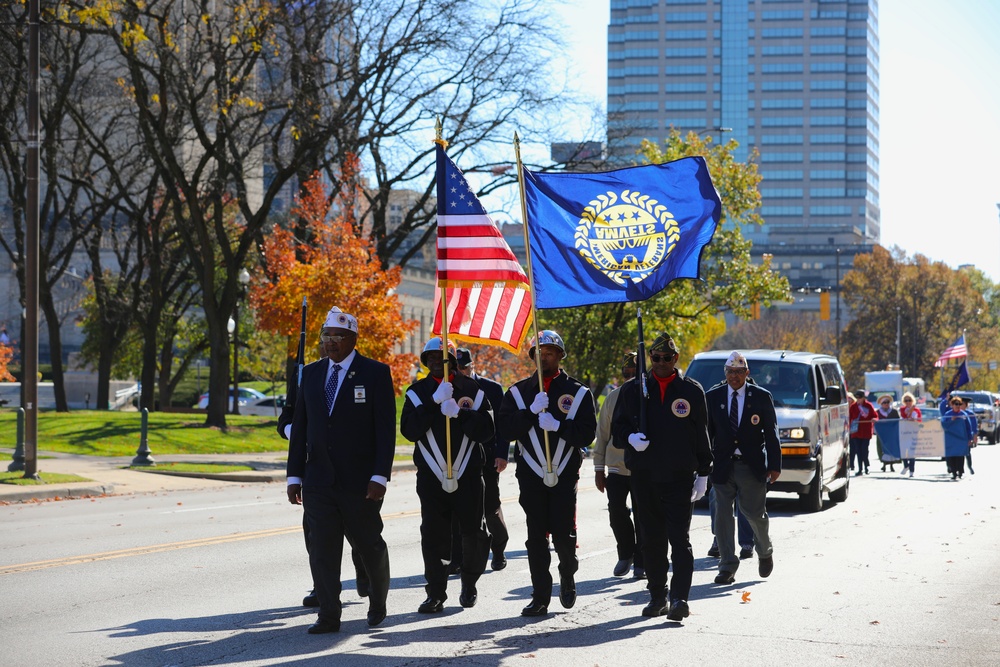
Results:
359 394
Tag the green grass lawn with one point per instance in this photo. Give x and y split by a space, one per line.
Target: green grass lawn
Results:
44 478
117 433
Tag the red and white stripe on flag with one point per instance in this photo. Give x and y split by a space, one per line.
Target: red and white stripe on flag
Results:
956 351
498 314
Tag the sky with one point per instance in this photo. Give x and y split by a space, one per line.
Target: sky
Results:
939 121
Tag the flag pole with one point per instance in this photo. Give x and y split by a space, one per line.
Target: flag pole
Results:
551 478
640 373
449 483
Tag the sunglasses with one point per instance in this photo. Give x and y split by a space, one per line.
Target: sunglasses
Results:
657 358
329 338
885 403
907 400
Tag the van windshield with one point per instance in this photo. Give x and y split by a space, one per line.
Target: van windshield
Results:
790 383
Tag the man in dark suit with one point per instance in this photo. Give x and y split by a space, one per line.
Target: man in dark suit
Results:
747 452
497 450
670 457
343 439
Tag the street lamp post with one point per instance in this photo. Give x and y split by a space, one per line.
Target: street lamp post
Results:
897 337
838 303
233 326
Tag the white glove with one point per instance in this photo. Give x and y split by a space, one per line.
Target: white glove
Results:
288 431
700 488
548 422
638 442
540 403
443 393
450 408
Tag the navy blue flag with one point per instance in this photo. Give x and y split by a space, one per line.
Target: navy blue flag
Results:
960 378
620 235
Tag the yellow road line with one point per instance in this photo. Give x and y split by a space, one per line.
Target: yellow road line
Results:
169 546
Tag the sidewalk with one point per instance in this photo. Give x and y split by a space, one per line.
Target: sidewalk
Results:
112 476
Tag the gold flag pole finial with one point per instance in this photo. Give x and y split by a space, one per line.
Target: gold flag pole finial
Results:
437 133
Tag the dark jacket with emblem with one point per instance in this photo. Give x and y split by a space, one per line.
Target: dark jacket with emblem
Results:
357 440
676 427
477 424
578 432
758 442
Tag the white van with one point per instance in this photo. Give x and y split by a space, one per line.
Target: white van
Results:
811 405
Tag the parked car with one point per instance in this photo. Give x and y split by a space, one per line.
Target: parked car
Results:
269 406
246 396
986 413
811 405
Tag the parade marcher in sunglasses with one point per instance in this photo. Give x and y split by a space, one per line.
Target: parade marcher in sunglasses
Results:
342 442
670 459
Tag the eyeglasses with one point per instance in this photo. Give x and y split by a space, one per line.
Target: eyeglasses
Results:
657 358
735 371
329 338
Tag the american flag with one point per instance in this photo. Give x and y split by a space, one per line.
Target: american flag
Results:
487 293
956 351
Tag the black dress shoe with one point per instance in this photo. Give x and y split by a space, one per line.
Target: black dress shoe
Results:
746 552
499 562
375 616
363 587
567 592
535 609
713 551
765 566
678 610
311 600
431 606
622 567
639 572
725 577
656 607
468 597
323 626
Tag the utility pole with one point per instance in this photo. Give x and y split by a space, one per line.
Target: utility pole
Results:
29 333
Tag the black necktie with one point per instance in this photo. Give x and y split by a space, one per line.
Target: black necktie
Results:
734 413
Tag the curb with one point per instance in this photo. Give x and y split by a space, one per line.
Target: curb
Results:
243 476
57 492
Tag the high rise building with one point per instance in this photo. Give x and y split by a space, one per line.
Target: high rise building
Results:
795 79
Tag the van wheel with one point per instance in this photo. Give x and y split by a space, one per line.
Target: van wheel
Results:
812 499
840 495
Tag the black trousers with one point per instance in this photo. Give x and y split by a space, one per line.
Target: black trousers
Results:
628 535
361 576
494 512
437 510
664 511
549 511
333 515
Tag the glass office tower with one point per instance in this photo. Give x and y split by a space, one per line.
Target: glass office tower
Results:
795 79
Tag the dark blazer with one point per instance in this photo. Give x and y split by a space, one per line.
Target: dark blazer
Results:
758 443
357 440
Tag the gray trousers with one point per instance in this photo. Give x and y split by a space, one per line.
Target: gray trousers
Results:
752 494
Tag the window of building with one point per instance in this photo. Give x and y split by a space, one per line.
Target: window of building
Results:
781 104
684 105
780 211
779 86
826 192
782 175
781 121
685 52
684 70
781 68
781 51
827 156
826 121
782 157
776 193
827 174
686 87
821 68
779 139
827 84
829 210
781 33
675 35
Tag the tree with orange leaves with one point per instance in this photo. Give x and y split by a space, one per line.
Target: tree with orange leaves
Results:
339 268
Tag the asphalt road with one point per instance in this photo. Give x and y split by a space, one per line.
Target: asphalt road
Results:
904 573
